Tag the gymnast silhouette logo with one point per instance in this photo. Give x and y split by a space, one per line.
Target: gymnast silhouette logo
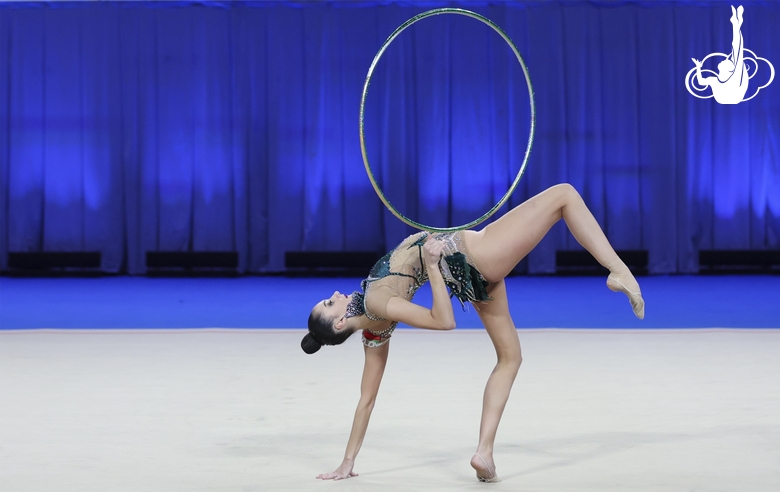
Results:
730 84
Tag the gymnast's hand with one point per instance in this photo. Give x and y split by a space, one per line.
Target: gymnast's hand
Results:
432 251
344 471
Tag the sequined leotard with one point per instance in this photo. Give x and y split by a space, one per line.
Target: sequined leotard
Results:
402 271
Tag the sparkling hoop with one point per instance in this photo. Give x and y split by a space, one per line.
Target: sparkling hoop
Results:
363 151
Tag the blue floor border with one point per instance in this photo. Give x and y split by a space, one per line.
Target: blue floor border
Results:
733 301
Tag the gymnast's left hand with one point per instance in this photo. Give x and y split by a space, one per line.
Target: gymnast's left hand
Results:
342 472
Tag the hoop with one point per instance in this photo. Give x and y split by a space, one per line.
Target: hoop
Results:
363 151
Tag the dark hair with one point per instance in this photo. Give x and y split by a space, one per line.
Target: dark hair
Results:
321 333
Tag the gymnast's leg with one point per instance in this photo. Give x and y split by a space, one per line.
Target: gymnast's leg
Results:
737 47
501 245
501 329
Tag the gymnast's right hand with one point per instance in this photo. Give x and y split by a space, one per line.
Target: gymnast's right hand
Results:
432 251
344 471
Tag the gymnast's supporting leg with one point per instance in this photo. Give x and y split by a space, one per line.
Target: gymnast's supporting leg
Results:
499 325
502 244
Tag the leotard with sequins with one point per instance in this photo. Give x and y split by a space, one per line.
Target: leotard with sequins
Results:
401 272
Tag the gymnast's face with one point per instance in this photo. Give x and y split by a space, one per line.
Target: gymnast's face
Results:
334 307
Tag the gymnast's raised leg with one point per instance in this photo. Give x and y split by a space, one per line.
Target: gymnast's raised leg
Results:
500 246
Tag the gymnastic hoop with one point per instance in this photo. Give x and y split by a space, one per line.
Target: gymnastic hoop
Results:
363 151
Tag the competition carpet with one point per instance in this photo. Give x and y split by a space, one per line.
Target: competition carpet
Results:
155 384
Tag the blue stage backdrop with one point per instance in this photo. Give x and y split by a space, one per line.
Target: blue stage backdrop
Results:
135 127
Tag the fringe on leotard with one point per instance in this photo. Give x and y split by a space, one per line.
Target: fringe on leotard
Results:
464 281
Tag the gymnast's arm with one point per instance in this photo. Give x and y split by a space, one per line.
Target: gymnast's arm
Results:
701 80
440 316
374 368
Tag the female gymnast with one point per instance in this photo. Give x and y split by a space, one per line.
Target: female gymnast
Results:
473 266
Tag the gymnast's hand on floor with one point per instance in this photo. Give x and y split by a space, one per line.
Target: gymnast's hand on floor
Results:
344 471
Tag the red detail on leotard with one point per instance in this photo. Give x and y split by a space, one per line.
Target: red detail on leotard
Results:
370 336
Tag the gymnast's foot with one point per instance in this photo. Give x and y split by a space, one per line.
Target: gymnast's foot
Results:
625 282
486 469
736 15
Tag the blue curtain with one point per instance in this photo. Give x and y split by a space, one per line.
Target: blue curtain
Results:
135 127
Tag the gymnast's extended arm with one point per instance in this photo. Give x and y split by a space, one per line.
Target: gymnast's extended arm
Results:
374 368
701 80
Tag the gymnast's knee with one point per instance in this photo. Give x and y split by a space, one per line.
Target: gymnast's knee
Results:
512 362
566 189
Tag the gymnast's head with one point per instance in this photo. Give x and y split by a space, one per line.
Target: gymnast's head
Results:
328 323
725 69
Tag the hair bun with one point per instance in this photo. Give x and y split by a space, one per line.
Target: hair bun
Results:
309 344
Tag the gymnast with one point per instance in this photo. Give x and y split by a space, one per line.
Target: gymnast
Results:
473 266
731 84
